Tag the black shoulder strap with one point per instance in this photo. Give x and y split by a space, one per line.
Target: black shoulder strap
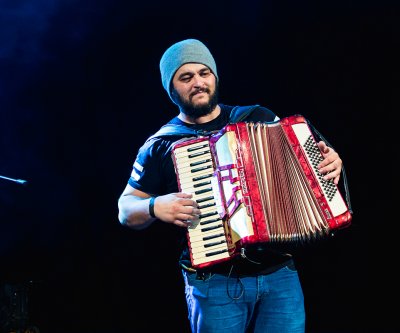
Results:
239 113
345 184
173 130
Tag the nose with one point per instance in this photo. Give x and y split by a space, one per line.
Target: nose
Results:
198 81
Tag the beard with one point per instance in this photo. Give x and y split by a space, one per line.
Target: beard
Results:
196 111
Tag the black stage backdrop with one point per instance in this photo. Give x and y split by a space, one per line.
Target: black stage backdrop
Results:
80 91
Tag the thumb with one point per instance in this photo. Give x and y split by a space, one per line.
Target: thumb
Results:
323 147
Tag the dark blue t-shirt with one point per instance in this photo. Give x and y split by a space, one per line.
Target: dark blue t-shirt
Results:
153 171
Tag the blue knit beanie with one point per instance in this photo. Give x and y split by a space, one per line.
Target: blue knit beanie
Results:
186 51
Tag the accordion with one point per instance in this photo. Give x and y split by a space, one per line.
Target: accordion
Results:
254 183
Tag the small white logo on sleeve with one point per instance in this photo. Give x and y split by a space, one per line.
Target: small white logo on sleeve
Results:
137 169
137 166
134 175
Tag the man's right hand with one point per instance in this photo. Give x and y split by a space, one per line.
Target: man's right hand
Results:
176 208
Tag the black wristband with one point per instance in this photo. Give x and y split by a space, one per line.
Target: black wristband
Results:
151 206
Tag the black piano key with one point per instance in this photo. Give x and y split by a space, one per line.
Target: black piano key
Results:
195 179
199 162
196 148
213 236
198 154
214 243
212 228
202 216
205 190
210 221
202 184
205 199
207 205
214 253
201 168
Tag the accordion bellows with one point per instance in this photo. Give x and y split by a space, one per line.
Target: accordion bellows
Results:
256 183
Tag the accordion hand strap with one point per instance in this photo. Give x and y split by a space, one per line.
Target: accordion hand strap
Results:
345 184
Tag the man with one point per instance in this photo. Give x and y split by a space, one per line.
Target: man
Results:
259 292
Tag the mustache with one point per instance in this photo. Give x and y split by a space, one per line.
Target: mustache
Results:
199 90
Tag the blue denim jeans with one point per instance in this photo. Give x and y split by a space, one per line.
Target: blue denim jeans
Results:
270 303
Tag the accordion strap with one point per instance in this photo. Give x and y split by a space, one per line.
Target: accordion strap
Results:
345 184
238 113
173 130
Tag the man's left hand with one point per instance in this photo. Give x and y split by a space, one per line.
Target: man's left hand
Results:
331 165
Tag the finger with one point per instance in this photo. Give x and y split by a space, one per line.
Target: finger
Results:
333 175
187 217
183 224
330 175
327 169
184 195
192 211
336 165
328 160
189 202
186 222
323 147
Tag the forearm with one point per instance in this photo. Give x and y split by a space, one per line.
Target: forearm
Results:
134 212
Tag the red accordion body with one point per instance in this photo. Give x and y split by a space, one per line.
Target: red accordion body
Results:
256 183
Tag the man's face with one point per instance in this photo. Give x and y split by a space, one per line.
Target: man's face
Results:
195 90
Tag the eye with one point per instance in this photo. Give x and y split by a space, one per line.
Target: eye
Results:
185 78
205 72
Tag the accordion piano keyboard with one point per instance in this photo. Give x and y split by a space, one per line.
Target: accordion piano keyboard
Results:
206 235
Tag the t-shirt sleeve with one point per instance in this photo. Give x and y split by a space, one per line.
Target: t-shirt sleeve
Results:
146 173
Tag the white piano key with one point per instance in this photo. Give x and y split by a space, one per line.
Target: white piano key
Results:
208 244
187 164
205 226
192 147
197 253
204 259
195 157
191 180
199 237
185 172
201 189
215 227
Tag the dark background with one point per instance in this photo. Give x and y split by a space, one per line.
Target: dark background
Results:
80 91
